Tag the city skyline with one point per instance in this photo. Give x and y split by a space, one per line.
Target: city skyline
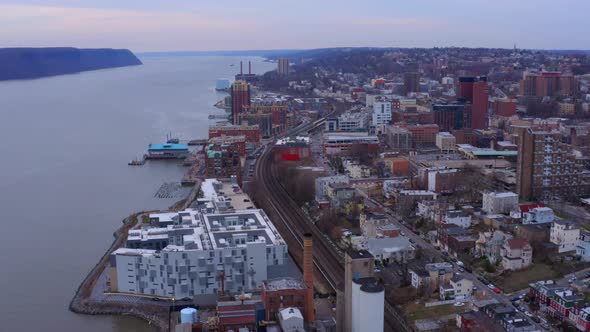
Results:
180 25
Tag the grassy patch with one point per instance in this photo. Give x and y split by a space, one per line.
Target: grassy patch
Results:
416 311
514 281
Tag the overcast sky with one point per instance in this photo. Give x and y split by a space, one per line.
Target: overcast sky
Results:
173 25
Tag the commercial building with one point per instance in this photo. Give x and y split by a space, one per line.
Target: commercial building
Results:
205 253
443 180
283 66
497 203
262 120
516 254
475 90
391 249
238 141
344 143
349 122
240 98
292 149
445 141
547 169
541 84
223 161
398 138
504 107
252 133
423 135
565 234
450 116
412 82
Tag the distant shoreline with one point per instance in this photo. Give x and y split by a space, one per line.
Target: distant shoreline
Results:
34 63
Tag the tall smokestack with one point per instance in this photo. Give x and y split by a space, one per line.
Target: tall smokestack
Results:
308 276
249 67
241 68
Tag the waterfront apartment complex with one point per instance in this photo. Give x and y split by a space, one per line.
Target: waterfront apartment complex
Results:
222 242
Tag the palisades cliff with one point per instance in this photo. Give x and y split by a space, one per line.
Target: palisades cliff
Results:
28 63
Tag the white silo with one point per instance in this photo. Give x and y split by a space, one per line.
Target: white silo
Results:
189 315
368 301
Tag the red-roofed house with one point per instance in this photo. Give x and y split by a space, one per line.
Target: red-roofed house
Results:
516 254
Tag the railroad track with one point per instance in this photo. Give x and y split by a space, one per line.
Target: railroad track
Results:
328 258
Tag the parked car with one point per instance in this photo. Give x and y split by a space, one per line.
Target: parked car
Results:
459 304
497 290
468 269
491 286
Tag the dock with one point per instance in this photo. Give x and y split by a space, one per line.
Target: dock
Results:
137 162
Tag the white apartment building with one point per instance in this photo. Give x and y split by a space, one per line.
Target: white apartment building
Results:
202 248
184 254
583 246
381 111
498 203
565 234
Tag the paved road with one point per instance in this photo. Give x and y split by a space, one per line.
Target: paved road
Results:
431 250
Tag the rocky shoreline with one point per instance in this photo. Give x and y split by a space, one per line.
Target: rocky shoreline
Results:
82 302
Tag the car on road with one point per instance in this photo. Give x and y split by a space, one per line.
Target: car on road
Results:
528 313
468 269
459 304
412 241
497 290
491 286
461 269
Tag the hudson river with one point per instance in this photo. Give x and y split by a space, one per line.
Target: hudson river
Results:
64 181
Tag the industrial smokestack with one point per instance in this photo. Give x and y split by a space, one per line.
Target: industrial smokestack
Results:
308 276
241 68
249 67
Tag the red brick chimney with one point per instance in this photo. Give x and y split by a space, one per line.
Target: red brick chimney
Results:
308 276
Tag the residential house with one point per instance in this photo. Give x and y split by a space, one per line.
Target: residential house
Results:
321 187
563 302
489 244
461 244
538 215
516 254
431 276
534 233
565 234
340 193
370 221
458 288
458 218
